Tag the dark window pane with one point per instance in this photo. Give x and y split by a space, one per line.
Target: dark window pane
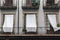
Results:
50 2
8 2
29 1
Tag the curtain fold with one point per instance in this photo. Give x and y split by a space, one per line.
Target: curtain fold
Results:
24 2
56 1
53 22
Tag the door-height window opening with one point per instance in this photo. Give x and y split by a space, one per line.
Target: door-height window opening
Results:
8 23
30 23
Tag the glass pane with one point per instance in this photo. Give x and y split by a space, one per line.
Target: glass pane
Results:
31 22
8 23
50 2
8 2
0 29
47 23
28 1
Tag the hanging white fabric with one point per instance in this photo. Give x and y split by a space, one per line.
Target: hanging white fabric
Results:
8 23
2 2
53 22
14 2
24 2
56 1
31 23
44 2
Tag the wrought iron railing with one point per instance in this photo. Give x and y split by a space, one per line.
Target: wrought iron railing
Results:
15 30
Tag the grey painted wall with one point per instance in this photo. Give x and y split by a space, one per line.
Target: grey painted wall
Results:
41 22
21 16
16 20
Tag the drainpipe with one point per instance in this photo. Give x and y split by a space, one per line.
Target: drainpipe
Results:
18 16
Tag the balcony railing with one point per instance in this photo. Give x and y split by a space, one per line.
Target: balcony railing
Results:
30 4
15 31
8 4
51 7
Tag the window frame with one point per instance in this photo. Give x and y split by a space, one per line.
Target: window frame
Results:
36 20
50 13
3 21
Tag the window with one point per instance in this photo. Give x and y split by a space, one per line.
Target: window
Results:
51 22
37 1
31 24
28 2
47 23
33 2
8 2
8 23
50 2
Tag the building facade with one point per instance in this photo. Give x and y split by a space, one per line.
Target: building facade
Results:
29 16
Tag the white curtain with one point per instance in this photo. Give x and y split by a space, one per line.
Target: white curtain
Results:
56 1
44 2
31 22
24 2
2 1
53 22
8 23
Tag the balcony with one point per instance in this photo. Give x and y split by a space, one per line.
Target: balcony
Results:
51 7
8 5
49 33
30 4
